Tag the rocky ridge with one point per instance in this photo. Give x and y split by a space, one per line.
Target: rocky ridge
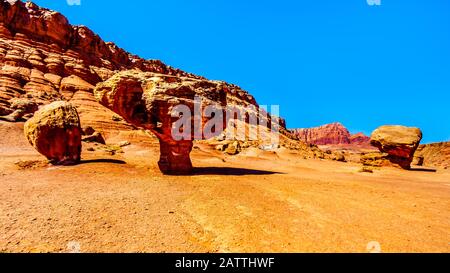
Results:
329 134
44 59
435 154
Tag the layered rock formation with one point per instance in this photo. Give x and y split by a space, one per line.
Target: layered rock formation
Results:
329 134
43 59
434 154
55 132
396 143
359 139
149 100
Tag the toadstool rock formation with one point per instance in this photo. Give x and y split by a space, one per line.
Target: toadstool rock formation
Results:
55 132
147 100
399 143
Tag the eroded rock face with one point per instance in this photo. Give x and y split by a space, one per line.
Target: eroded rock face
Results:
147 100
329 134
55 132
398 142
44 59
435 154
375 159
359 139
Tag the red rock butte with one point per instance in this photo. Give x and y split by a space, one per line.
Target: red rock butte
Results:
334 133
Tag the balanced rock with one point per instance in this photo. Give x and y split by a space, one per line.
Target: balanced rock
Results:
399 142
55 132
149 100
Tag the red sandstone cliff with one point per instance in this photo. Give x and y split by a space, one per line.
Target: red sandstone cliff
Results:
329 134
359 139
43 58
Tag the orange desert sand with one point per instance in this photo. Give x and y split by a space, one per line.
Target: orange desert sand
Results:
257 201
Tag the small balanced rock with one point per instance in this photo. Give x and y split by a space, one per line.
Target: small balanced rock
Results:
55 132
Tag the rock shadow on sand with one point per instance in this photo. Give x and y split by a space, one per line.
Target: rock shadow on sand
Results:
229 171
103 160
423 170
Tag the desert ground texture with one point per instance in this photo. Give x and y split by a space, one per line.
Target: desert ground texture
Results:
257 201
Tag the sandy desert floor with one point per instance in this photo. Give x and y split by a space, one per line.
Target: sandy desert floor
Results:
254 202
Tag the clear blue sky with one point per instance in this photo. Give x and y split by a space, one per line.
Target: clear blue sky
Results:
320 60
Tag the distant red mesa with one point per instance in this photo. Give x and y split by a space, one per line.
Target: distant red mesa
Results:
331 134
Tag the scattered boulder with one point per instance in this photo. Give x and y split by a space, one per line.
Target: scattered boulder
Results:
366 169
87 130
30 164
116 118
418 160
90 135
245 145
233 148
23 109
55 132
375 159
221 147
339 156
399 142
95 137
269 147
123 144
319 154
111 149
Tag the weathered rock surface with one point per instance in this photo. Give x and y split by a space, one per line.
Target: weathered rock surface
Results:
147 100
338 156
418 160
375 159
434 154
334 133
399 142
44 59
24 109
55 132
95 137
233 148
359 139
